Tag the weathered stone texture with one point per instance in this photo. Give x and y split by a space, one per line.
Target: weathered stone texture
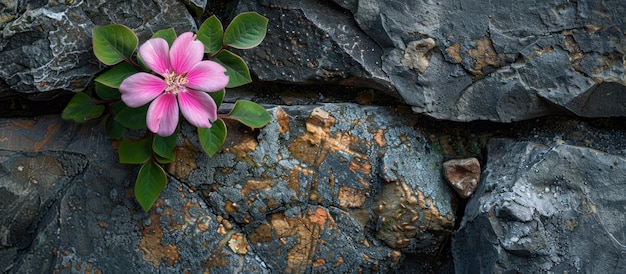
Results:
46 46
363 165
311 41
70 207
332 188
502 61
461 61
545 209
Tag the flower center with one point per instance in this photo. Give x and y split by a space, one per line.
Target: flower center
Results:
175 83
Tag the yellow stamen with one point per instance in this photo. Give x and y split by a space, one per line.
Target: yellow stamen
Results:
175 83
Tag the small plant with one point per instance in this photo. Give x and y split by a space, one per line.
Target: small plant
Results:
148 89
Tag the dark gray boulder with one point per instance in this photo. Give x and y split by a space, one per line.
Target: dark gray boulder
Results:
332 187
502 61
68 207
340 188
476 60
314 41
544 209
325 187
46 46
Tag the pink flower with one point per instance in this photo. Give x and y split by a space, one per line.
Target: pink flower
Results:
184 82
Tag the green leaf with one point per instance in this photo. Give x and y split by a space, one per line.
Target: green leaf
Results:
210 34
168 34
106 92
236 68
116 74
113 129
118 106
135 151
150 183
250 114
212 139
114 43
81 108
164 147
247 30
133 118
218 97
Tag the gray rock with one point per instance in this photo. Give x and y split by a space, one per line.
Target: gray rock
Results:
310 41
357 178
499 61
70 207
46 46
467 61
341 188
544 209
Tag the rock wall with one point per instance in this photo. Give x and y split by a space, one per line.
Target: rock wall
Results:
329 185
456 60
545 209
462 61
332 188
46 46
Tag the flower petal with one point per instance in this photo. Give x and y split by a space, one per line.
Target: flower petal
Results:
197 107
140 88
207 76
185 53
162 116
155 54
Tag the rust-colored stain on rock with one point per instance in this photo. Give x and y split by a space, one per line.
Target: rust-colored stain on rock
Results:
11 136
485 55
293 180
406 214
185 161
238 243
313 148
261 234
231 207
319 217
283 121
351 197
307 227
253 186
52 130
150 244
455 52
379 138
245 144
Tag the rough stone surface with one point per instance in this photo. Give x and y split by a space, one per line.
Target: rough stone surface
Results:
496 60
319 189
463 175
545 209
334 187
501 60
477 60
312 41
343 162
46 45
68 207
